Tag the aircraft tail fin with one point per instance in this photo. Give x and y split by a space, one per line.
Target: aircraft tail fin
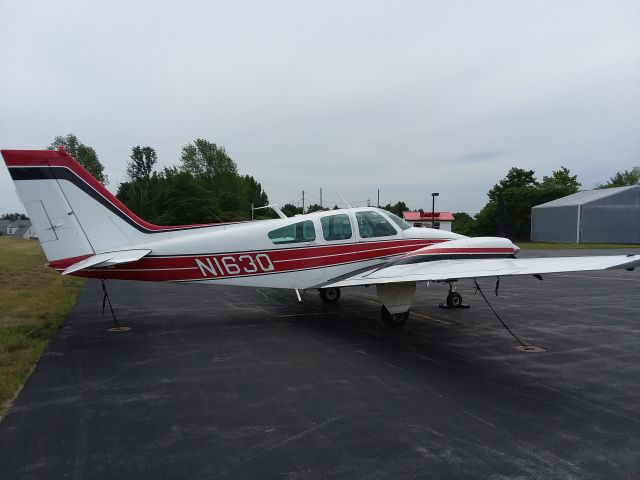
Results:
73 214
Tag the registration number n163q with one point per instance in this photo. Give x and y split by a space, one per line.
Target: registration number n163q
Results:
242 264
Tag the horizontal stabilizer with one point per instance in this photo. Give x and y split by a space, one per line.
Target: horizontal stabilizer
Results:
106 259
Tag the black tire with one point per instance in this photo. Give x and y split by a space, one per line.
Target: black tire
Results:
393 320
454 300
330 295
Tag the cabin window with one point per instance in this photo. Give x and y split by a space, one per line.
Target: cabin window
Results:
294 233
336 227
372 224
398 221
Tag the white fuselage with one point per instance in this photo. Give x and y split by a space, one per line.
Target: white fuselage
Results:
244 253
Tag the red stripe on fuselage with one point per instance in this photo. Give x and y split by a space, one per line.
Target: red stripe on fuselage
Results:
238 264
66 262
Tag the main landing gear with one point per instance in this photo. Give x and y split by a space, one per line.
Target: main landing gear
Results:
330 295
454 299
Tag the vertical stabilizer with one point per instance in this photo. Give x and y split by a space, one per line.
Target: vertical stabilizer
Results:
72 213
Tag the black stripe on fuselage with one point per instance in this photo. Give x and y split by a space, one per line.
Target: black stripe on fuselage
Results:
447 256
63 173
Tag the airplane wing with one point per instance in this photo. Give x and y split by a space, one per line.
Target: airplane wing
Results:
106 259
442 270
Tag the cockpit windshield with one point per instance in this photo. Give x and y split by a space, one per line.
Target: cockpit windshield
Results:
398 221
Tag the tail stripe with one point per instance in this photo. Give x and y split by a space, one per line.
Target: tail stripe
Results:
57 165
63 173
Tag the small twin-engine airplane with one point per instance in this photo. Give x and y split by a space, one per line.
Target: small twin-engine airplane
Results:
85 231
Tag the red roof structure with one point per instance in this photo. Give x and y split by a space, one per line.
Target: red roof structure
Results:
410 216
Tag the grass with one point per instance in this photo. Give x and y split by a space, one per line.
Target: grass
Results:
34 300
562 246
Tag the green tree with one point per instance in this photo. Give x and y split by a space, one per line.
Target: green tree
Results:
315 207
218 174
205 158
205 188
143 159
560 184
135 192
291 210
463 223
623 179
84 155
254 193
562 179
183 200
521 192
518 190
486 220
515 178
397 208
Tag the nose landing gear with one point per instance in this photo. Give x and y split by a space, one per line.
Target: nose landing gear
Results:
454 299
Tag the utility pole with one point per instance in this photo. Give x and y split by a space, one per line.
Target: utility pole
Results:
433 208
302 201
321 198
378 198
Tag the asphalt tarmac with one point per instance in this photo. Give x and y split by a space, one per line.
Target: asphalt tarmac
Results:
222 382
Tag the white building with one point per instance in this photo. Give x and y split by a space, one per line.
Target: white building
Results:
441 220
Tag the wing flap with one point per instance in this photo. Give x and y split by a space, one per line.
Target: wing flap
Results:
106 259
441 270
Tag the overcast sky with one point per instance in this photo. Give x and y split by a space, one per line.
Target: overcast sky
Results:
407 97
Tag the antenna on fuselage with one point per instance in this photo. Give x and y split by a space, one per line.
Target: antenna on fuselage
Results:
343 200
